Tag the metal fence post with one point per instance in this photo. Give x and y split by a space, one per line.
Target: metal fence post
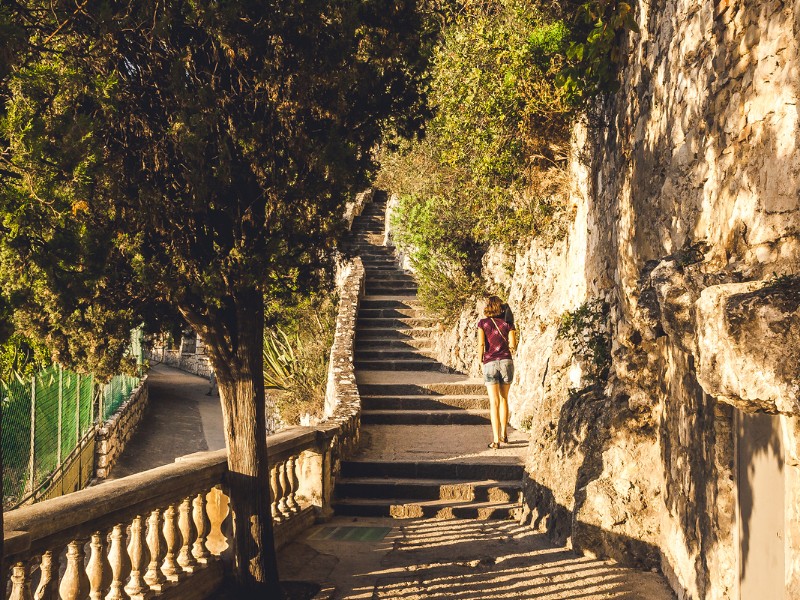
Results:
32 453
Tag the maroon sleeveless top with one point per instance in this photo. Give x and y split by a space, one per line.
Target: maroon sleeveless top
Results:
495 347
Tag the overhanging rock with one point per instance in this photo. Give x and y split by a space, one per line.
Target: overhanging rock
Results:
748 344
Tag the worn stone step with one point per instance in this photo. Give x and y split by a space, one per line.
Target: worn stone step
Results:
433 470
488 490
395 344
395 275
419 402
389 313
416 364
399 323
431 509
372 269
372 261
425 417
389 302
393 334
389 354
422 389
388 289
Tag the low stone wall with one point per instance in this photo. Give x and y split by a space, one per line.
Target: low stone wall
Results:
341 427
113 435
199 364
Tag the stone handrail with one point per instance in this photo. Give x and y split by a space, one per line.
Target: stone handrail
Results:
164 533
146 534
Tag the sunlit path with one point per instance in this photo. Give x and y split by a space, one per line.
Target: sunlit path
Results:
463 559
180 419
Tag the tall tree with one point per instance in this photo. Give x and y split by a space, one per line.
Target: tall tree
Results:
194 155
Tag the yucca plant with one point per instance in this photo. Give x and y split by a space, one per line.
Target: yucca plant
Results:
280 361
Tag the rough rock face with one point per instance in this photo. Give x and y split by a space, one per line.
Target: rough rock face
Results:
747 345
686 221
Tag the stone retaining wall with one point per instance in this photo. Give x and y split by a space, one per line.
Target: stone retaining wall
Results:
114 433
685 188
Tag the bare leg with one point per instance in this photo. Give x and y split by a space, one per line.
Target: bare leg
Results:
494 410
503 409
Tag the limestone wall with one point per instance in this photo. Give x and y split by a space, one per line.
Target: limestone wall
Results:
685 185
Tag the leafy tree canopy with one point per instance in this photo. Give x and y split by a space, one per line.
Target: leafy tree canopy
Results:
190 156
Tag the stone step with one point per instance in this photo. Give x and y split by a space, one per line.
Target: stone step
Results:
431 509
395 344
433 470
393 275
397 323
389 302
373 262
422 389
420 402
425 417
389 354
365 333
415 364
487 490
384 292
388 289
390 313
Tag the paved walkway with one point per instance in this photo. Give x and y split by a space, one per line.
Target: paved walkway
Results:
180 419
454 559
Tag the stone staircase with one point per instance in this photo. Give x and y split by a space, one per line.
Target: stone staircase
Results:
425 429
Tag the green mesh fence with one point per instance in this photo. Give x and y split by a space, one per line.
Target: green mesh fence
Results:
16 440
44 420
137 348
116 392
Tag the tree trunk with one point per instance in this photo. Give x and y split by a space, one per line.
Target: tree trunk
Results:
238 362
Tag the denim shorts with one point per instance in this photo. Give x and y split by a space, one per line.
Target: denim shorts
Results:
498 371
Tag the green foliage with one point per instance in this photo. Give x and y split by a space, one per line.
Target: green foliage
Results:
20 358
594 53
586 330
297 343
490 167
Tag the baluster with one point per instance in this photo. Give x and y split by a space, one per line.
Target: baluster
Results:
189 534
203 525
284 481
48 582
294 482
275 484
98 569
140 557
120 564
218 510
75 582
172 534
158 549
21 581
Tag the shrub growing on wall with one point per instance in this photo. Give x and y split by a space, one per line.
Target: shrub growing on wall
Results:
506 79
499 122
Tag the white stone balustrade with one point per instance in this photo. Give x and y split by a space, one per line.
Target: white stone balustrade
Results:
165 533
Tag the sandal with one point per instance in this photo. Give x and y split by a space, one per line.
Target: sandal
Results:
505 439
494 446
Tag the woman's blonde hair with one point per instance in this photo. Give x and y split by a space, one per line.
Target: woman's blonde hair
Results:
493 308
